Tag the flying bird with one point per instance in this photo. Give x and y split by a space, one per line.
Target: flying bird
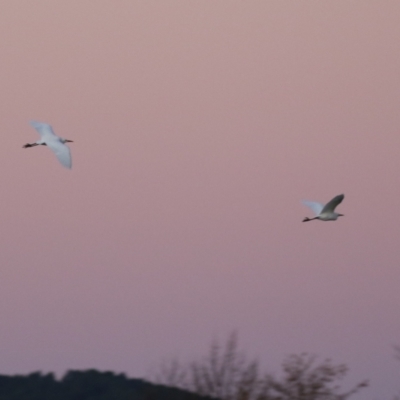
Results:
325 212
54 142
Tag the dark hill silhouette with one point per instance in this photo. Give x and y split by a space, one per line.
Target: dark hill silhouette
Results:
87 385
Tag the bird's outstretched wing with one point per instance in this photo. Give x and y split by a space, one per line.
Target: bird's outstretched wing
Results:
315 207
61 151
45 130
330 207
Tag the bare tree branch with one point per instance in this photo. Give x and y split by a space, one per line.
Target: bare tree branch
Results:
225 373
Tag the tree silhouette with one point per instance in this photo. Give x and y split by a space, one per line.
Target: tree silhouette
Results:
226 374
303 380
86 385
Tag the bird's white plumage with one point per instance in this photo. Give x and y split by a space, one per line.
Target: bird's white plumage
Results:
315 207
54 142
325 212
44 130
62 152
331 205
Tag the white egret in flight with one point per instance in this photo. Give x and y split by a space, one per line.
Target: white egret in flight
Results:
325 212
50 139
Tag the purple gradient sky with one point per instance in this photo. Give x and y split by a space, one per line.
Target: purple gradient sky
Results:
198 127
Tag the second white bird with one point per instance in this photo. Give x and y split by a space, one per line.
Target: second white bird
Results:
325 212
54 142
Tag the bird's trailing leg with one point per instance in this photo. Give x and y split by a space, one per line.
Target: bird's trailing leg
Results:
32 145
309 219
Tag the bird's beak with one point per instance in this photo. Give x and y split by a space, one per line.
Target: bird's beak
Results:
341 215
69 140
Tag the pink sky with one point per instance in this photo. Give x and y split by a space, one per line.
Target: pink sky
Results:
198 128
